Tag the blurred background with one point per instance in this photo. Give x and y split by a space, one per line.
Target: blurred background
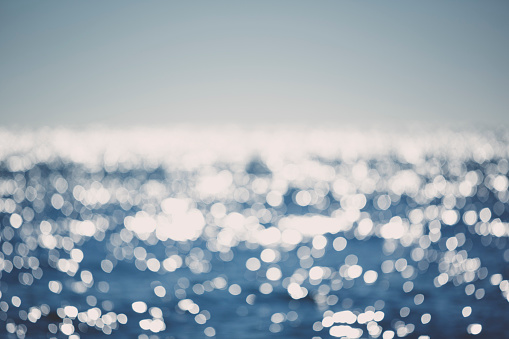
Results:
334 62
289 169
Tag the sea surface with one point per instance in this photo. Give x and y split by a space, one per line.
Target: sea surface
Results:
228 232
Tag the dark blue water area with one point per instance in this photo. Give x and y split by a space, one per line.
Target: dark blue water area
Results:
224 312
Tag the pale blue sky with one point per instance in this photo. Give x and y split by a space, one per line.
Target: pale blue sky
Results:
321 62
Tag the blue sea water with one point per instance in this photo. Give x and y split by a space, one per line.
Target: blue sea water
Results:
186 234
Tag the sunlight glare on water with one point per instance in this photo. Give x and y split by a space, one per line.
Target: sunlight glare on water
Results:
201 232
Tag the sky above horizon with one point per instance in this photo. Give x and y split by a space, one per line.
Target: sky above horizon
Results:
327 63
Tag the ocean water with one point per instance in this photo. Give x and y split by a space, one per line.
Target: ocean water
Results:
198 232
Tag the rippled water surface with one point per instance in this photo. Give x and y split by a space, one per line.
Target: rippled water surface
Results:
245 234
